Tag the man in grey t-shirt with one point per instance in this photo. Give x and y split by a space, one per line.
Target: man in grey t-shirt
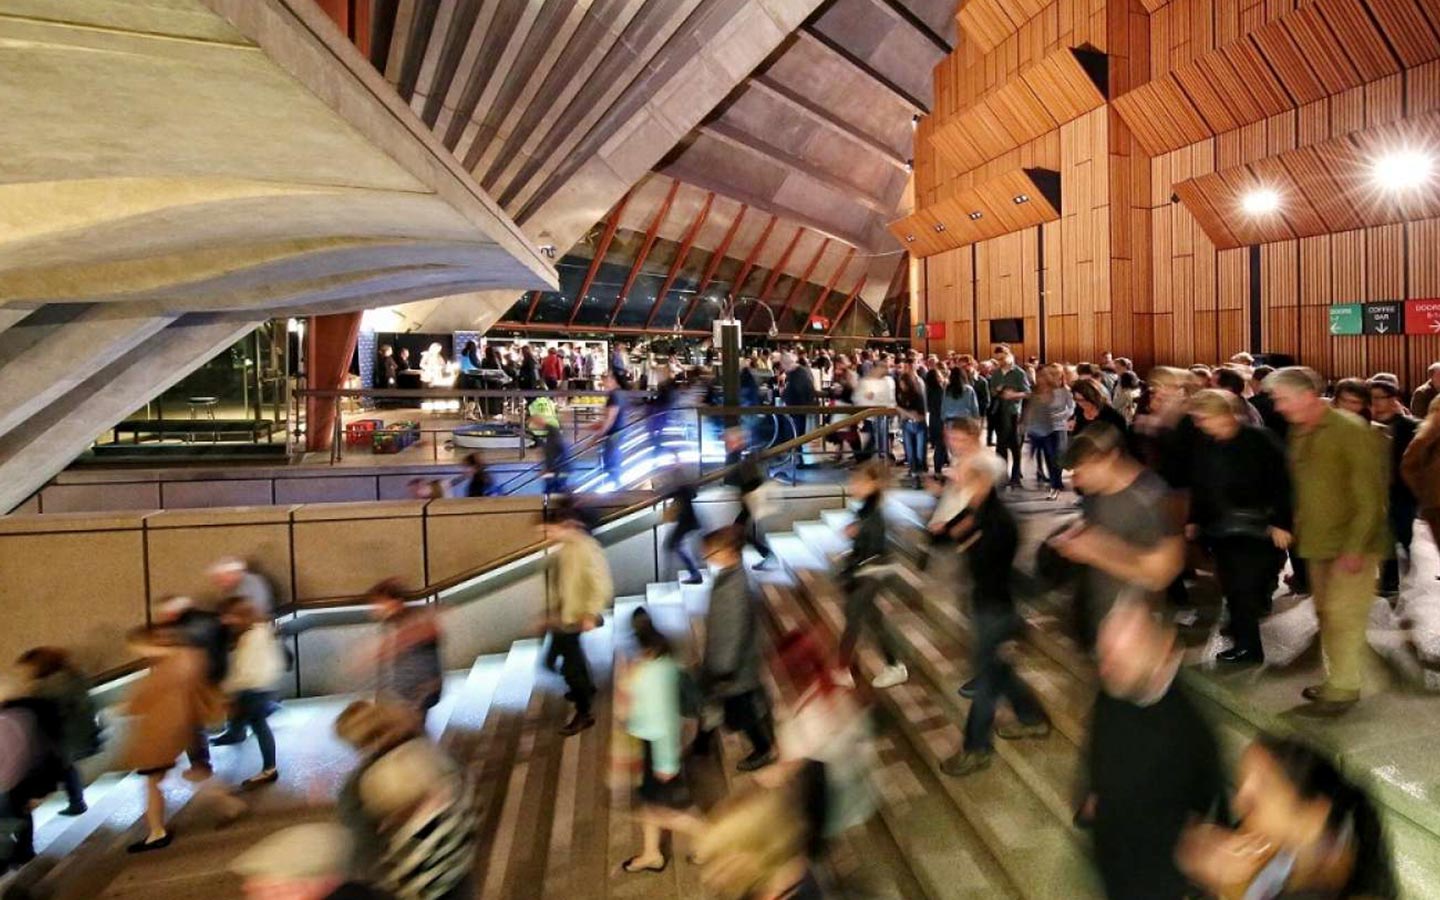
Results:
233 578
1127 537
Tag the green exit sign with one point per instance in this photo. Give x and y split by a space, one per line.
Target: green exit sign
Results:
1347 318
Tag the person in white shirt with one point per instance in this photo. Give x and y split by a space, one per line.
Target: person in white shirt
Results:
877 388
256 664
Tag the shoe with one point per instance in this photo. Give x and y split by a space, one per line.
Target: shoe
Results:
1238 656
197 774
74 809
629 866
1019 731
1186 617
577 724
891 676
843 678
693 579
266 776
966 762
147 845
754 761
1052 494
764 564
967 690
229 739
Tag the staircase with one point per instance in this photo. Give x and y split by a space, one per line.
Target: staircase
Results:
553 826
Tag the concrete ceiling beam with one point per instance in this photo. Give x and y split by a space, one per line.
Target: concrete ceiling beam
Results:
838 126
810 35
747 142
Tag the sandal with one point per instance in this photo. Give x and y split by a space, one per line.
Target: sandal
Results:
145 846
628 867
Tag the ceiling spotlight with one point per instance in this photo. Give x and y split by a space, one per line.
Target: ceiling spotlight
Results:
909 238
939 227
1402 170
1260 201
976 216
1022 198
909 165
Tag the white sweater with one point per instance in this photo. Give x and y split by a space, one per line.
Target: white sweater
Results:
256 663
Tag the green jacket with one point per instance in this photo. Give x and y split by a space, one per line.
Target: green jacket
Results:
1341 488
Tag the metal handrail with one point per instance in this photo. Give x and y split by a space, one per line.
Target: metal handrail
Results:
587 443
515 556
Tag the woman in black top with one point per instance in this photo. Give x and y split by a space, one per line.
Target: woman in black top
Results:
1240 508
937 378
528 378
1091 405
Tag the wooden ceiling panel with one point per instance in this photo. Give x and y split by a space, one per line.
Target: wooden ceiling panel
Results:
1321 49
1213 108
1407 28
1363 43
986 23
1324 188
1044 96
1280 50
1257 79
948 224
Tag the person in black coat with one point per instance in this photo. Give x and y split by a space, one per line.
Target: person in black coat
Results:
750 478
1152 763
799 391
863 576
1387 413
1241 510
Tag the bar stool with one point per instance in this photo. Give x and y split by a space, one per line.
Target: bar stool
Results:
207 404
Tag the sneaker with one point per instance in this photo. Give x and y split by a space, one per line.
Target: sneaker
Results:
967 690
843 678
966 762
1237 656
693 579
1019 731
755 761
1052 494
74 809
266 776
577 724
229 739
197 774
891 676
764 564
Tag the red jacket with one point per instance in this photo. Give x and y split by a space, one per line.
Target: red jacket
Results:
552 367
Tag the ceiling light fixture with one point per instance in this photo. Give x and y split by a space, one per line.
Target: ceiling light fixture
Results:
1260 202
909 238
1022 198
1402 170
939 227
976 215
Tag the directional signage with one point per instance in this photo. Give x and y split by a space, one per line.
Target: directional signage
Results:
1383 318
1346 318
1422 316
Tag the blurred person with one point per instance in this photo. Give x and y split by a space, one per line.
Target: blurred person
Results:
610 424
937 379
1425 394
864 573
477 476
991 538
1152 764
1305 831
256 666
426 489
1163 439
1204 376
1092 404
731 663
754 847
580 578
1231 380
958 400
681 514
1353 396
1265 404
32 764
799 390
1241 511
1340 488
552 452
170 706
649 702
406 807
231 576
302 862
202 630
910 400
1009 389
750 478
51 676
1047 417
435 372
620 365
876 388
527 377
402 359
389 366
407 655
552 369
1126 396
1420 468
980 371
1127 538
1389 417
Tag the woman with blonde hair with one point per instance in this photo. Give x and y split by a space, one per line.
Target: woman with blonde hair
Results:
1047 418
755 847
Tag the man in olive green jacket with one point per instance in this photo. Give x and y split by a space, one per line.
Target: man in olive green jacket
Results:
1341 490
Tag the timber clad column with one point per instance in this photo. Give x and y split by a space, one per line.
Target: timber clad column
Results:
329 345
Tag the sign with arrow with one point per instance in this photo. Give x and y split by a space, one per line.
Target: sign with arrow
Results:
1383 318
1346 318
1422 316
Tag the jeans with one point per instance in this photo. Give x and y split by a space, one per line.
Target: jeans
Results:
610 458
913 434
1342 602
1402 526
574 668
861 612
251 708
1007 442
879 428
677 543
995 680
1247 569
1048 446
754 534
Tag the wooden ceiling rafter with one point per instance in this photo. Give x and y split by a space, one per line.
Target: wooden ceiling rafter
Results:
800 282
651 234
749 264
775 272
686 243
985 211
1324 188
1321 49
1059 88
713 265
601 248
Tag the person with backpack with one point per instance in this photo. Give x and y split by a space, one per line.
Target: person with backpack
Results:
52 677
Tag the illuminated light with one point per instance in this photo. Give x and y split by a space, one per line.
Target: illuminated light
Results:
909 238
1402 170
1021 198
939 227
1259 202
976 216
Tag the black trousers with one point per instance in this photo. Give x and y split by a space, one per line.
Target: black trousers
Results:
17 830
861 612
574 668
995 680
1402 527
754 534
1007 442
749 714
1248 569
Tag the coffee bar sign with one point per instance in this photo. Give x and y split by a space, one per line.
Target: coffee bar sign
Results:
1386 317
